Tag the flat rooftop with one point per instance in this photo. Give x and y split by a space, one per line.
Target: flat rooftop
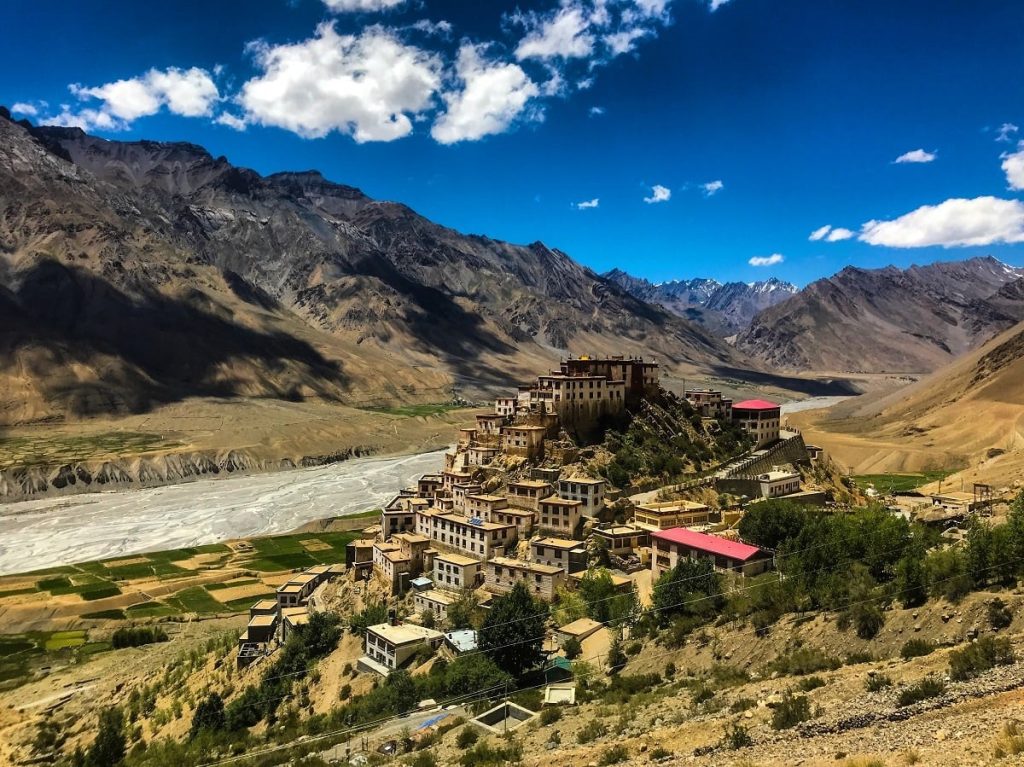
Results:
439 596
583 480
554 500
482 525
265 604
558 543
667 507
404 633
619 530
456 559
263 620
534 483
532 567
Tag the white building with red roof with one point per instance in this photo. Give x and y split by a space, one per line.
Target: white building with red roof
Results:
760 418
670 546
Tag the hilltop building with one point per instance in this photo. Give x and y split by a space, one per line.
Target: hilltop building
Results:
760 419
670 546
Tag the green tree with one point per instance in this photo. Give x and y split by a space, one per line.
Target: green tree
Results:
597 590
209 715
461 613
772 523
108 748
512 634
572 648
691 588
616 657
911 584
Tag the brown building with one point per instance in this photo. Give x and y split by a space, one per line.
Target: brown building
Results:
639 377
560 516
567 554
524 441
502 573
622 539
668 514
527 493
761 419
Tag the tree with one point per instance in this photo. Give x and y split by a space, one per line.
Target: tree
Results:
597 589
321 633
209 715
572 648
771 523
512 634
616 657
427 618
108 748
401 690
461 613
911 583
691 588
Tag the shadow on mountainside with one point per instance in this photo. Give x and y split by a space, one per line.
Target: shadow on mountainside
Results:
814 387
146 348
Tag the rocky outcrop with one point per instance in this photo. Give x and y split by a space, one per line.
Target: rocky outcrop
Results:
23 483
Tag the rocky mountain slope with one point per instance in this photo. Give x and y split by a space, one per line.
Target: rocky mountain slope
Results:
140 273
889 320
724 309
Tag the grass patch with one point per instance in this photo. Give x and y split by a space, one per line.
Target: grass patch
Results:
99 592
242 604
38 450
61 640
195 600
929 687
106 615
916 648
230 585
150 610
19 592
899 483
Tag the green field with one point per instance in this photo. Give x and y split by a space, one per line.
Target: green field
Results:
898 483
21 653
67 448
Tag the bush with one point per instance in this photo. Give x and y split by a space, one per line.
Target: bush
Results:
485 754
592 730
811 683
929 687
867 620
467 737
742 704
550 715
790 711
986 653
658 753
572 648
916 648
670 670
736 737
806 660
1010 743
876 682
424 759
614 755
136 636
999 614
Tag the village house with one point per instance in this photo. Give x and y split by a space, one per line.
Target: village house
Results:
391 565
669 546
297 590
667 514
638 378
434 600
621 584
527 493
523 519
957 502
462 491
481 505
488 426
481 455
475 537
502 573
578 630
456 572
399 515
291 619
777 483
261 629
452 477
467 436
414 546
560 516
523 441
429 485
389 646
587 490
506 406
622 540
567 554
710 403
758 418
264 607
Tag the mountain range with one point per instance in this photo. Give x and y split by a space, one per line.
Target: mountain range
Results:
139 273
724 309
889 320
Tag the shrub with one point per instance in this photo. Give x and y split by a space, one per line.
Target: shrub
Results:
867 620
916 648
702 693
658 753
592 730
1010 743
858 657
999 614
136 636
790 711
986 653
572 648
876 682
467 737
550 715
424 759
485 754
614 755
736 737
805 660
670 670
929 687
811 683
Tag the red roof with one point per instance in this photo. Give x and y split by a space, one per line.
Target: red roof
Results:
755 404
712 544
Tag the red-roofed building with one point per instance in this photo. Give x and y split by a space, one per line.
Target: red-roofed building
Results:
669 546
760 418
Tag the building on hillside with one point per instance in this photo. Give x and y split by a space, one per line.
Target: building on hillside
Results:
523 441
483 505
467 436
414 546
291 619
429 485
506 406
567 554
392 565
264 607
621 584
261 629
668 514
524 520
297 590
559 516
389 647
456 572
488 426
399 514
622 539
639 378
957 502
527 493
578 630
452 477
670 546
472 536
461 641
434 600
777 483
758 418
502 573
461 491
710 403
814 453
587 490
481 455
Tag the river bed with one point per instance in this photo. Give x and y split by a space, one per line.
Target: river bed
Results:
57 531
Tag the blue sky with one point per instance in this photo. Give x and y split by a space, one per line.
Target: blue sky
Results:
671 138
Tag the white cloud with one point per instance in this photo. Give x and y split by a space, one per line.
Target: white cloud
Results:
716 4
1005 132
659 193
440 28
712 187
353 6
839 234
86 119
597 111
774 258
493 95
625 40
187 92
1013 167
588 204
21 108
954 222
820 232
232 121
915 156
365 85
564 33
